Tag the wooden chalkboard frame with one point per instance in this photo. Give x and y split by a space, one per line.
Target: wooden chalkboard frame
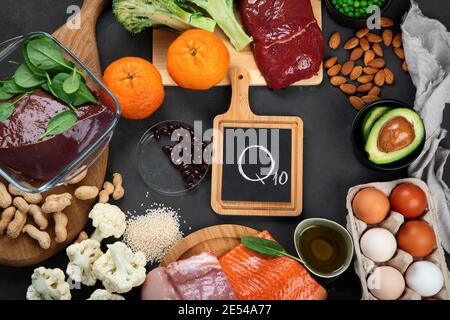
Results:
239 115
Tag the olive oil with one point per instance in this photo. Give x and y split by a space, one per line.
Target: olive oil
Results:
323 249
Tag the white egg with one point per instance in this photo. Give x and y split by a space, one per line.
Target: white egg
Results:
425 278
378 244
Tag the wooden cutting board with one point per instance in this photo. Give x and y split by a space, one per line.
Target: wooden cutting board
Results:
163 38
240 189
217 239
24 251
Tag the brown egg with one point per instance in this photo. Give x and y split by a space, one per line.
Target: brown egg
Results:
370 205
417 238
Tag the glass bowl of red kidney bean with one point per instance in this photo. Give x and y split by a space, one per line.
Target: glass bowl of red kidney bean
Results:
172 158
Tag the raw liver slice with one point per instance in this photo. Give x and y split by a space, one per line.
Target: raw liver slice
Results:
288 43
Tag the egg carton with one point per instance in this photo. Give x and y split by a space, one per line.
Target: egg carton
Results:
401 260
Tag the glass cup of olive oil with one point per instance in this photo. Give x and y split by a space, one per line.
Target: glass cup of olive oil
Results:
324 246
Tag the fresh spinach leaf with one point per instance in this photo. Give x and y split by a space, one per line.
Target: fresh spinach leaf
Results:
84 96
5 95
6 109
25 78
56 88
72 84
11 87
60 123
44 54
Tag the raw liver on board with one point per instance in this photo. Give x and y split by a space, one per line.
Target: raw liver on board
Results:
288 43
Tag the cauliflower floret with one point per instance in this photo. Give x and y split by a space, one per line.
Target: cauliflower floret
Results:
48 284
102 294
120 269
108 220
82 257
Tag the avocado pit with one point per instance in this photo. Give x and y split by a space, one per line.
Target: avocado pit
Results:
396 134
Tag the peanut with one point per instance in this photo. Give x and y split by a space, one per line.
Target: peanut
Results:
16 225
119 191
31 198
7 216
79 177
86 192
5 197
81 237
42 237
56 202
21 204
38 217
108 189
61 222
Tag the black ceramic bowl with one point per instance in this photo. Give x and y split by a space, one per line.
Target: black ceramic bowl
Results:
347 21
359 142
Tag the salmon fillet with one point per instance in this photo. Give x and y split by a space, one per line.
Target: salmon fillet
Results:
255 277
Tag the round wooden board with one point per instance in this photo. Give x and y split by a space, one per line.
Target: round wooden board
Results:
217 239
25 251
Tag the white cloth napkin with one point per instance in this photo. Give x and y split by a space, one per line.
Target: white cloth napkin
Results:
427 49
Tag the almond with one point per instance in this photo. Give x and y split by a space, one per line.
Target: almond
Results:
387 37
365 87
370 99
377 49
347 67
356 73
400 53
377 63
356 54
369 70
330 62
334 70
362 32
365 78
351 43
397 41
368 56
335 40
337 80
348 88
375 91
357 102
405 66
386 22
364 44
389 76
374 38
379 78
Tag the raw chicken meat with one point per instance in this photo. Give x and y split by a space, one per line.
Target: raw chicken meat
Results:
158 287
288 42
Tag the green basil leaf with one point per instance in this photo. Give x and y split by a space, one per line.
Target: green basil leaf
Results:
263 246
44 54
84 96
6 110
25 78
60 123
72 84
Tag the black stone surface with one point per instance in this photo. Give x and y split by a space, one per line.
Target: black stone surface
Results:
330 167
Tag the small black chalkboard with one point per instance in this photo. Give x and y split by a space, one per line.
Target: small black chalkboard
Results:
257 165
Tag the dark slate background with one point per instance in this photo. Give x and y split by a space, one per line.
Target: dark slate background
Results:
330 167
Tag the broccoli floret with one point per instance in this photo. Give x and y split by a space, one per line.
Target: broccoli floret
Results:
223 12
136 15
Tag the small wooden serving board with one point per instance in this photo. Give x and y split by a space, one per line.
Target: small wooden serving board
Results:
260 200
25 251
163 38
217 239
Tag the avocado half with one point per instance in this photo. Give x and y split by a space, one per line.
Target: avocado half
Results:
378 156
371 117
